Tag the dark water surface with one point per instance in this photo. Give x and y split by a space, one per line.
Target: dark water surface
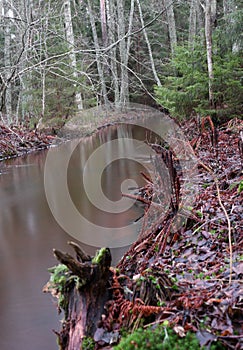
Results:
28 233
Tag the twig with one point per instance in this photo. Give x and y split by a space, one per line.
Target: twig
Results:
201 226
138 198
208 169
13 132
146 177
160 320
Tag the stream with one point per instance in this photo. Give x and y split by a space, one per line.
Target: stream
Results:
29 231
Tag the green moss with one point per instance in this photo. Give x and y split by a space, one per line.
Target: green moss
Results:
100 254
161 338
59 274
158 339
240 187
61 277
87 344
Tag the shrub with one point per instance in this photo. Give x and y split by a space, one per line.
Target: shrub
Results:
185 84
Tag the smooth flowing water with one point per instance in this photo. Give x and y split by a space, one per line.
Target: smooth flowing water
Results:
29 232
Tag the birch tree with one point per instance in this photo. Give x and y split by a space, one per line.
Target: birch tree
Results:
131 14
98 55
208 36
156 77
200 21
118 55
119 42
111 26
213 4
27 13
123 54
18 25
6 89
192 23
171 24
103 22
71 45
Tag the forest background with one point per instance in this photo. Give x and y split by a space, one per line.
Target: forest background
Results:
59 57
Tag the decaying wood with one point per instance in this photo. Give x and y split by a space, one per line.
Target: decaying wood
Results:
85 292
97 300
81 255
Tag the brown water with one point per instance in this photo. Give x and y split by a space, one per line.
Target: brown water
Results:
28 233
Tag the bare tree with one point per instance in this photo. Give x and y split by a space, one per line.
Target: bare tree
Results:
200 20
123 53
71 44
18 24
102 37
118 55
156 77
112 59
208 36
98 54
6 79
131 14
213 12
192 23
171 24
103 22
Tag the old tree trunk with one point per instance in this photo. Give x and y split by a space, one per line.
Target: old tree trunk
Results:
82 288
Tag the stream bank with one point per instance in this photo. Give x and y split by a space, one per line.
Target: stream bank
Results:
21 139
190 278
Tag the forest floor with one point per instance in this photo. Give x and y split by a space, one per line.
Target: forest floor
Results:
198 271
188 278
193 278
18 140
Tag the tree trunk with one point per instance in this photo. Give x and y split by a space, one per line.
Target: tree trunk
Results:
98 54
192 23
25 36
111 24
103 22
171 25
229 9
124 95
200 20
7 64
84 295
7 90
1 11
127 54
208 36
72 55
213 13
156 77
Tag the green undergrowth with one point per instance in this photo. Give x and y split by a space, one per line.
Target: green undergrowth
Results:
161 338
88 343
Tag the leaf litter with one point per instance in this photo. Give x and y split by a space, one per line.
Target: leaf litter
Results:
191 278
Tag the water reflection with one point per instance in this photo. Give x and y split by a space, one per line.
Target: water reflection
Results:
105 181
28 232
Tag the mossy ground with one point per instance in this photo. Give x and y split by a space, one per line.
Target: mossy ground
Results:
161 338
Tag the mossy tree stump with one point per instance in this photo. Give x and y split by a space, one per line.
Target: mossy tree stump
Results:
82 288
